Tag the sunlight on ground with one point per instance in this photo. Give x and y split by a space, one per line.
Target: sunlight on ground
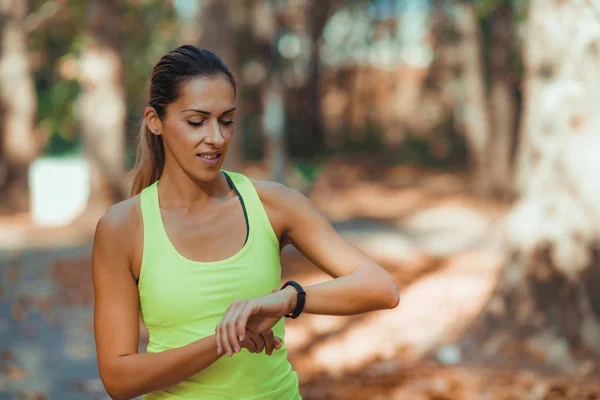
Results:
435 310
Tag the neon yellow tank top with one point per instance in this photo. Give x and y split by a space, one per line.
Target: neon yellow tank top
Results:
182 300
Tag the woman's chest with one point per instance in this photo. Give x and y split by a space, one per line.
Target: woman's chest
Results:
207 237
176 293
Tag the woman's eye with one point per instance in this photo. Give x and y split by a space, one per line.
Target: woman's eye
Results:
195 123
226 122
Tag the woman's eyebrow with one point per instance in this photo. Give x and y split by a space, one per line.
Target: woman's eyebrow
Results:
198 111
208 113
228 111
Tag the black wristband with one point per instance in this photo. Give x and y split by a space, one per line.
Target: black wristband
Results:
300 299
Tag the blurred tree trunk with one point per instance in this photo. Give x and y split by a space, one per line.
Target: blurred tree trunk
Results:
266 13
19 146
551 286
312 141
274 119
496 174
102 103
474 110
217 34
489 119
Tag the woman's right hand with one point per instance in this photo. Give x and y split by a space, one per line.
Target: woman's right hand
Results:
257 342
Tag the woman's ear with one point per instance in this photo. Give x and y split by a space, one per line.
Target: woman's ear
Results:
153 121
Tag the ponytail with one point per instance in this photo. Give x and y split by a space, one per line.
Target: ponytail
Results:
149 162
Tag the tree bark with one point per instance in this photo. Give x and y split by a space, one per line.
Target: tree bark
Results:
489 116
473 105
273 105
312 144
102 102
498 168
19 146
551 288
274 121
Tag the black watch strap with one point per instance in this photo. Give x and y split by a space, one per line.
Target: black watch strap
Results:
300 300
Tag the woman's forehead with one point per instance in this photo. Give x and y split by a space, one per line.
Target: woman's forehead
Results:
212 94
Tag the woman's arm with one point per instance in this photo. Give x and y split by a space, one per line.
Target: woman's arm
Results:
359 284
124 372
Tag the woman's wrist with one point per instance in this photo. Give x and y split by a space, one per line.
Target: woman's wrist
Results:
291 296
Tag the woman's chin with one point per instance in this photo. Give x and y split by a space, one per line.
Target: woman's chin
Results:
208 174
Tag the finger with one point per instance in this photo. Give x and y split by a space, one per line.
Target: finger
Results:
249 345
223 343
278 343
242 320
254 345
226 342
218 338
268 337
233 335
258 339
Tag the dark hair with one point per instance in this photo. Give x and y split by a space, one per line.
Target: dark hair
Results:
175 68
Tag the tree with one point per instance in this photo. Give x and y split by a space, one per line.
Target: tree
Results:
502 103
20 146
273 101
551 286
266 98
102 103
488 111
309 142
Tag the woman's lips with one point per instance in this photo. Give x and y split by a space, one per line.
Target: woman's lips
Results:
211 162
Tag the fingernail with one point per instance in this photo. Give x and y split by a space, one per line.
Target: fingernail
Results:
241 338
237 349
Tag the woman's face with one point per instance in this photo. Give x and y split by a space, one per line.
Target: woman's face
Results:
198 127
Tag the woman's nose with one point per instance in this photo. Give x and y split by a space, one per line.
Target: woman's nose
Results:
215 137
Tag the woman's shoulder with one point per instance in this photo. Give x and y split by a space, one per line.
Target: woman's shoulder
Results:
279 196
273 191
117 237
122 219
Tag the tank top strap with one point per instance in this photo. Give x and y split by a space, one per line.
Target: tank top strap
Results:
151 218
256 213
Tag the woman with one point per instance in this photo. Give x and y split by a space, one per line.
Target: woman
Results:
195 252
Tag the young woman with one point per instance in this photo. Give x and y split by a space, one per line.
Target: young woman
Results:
195 252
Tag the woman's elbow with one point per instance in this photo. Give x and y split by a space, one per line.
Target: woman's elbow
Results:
115 386
392 298
385 289
117 392
114 390
386 294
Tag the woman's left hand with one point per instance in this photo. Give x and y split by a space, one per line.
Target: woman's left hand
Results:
261 313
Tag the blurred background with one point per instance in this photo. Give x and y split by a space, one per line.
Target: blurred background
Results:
451 140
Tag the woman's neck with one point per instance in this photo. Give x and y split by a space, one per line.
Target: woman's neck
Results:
178 189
